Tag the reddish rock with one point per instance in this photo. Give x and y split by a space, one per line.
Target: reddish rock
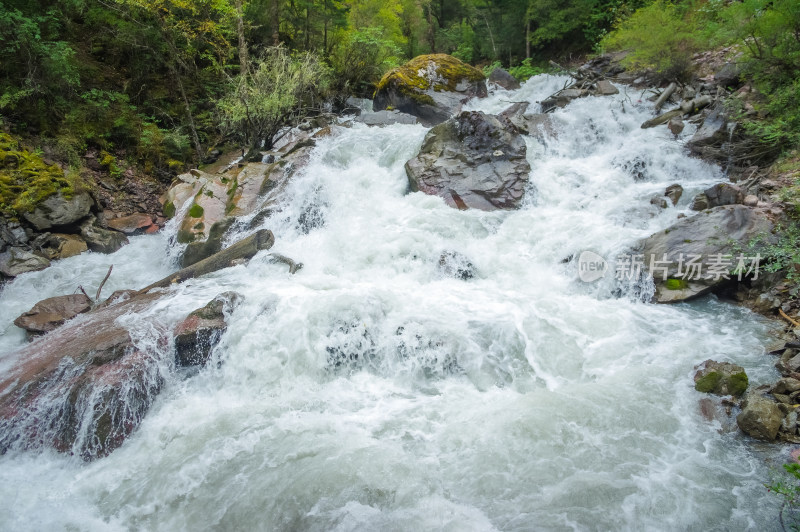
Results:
197 335
132 224
52 312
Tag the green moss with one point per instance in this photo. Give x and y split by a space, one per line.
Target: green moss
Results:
26 180
169 209
737 383
675 284
408 81
185 237
708 383
196 211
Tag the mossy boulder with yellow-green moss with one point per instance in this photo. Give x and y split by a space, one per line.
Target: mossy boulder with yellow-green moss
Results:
37 191
431 87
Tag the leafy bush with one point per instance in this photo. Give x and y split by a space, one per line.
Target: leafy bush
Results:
361 60
789 490
278 89
657 38
526 70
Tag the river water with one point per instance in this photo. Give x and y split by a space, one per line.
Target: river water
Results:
372 392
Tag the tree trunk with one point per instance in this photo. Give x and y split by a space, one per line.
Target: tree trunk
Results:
276 22
242 40
188 108
528 39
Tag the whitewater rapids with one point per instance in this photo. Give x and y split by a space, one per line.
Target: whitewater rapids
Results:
522 399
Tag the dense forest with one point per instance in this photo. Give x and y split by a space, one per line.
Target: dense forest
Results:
156 84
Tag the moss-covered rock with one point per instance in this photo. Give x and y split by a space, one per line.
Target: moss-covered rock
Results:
431 87
720 378
26 179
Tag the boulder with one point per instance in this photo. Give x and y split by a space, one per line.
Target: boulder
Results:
712 133
729 76
386 118
431 87
675 125
699 202
674 193
606 88
101 240
723 194
720 378
659 201
472 161
760 418
83 388
61 246
197 335
52 312
503 79
16 261
751 200
538 125
711 235
58 210
133 224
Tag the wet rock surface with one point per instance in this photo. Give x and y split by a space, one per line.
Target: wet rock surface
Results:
472 161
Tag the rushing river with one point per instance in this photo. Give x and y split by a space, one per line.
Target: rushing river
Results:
521 399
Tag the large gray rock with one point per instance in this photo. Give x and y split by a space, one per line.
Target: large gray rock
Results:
760 417
606 88
101 240
197 335
472 161
503 79
714 232
52 312
712 133
16 261
57 210
729 75
431 87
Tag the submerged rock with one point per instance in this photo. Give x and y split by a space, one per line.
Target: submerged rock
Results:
201 331
430 87
454 264
472 161
51 313
720 378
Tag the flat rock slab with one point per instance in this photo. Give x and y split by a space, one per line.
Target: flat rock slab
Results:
52 312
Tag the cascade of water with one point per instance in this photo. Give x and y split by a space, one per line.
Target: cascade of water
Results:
372 391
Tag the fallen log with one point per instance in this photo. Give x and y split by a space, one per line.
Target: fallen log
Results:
692 106
243 249
665 95
662 118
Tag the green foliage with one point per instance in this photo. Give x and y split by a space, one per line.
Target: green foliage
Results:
361 60
195 211
526 70
788 488
279 88
658 38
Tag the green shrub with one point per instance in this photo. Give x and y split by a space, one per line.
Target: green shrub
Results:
658 38
789 489
526 70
